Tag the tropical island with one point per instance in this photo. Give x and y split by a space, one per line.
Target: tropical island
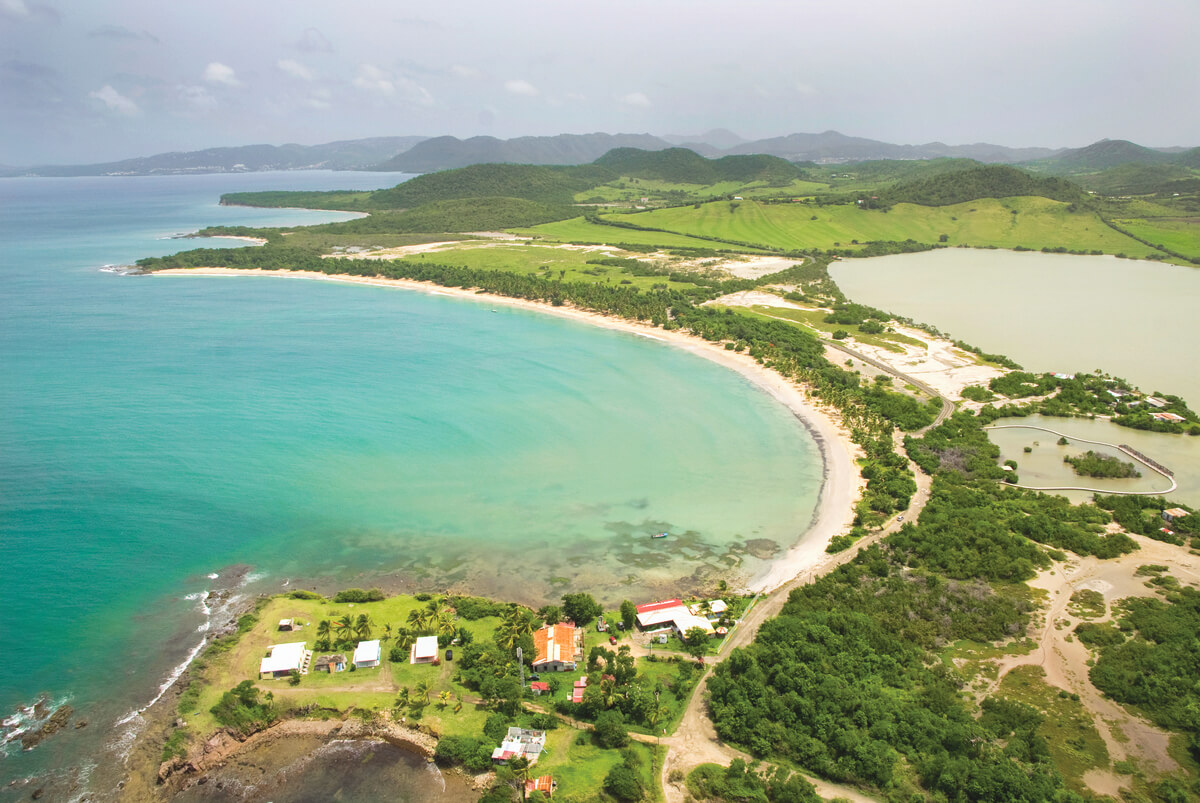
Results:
958 639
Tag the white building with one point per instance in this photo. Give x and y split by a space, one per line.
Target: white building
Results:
424 650
367 653
283 659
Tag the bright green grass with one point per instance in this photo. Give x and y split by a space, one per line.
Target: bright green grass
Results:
815 319
986 222
1075 744
633 190
542 260
1179 234
578 230
580 766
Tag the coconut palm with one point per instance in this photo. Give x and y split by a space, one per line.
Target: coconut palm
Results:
458 706
345 625
402 698
324 628
608 691
387 631
362 626
444 623
405 638
418 620
434 606
423 690
444 699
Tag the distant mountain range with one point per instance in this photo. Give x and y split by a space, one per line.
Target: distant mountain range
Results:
345 155
426 155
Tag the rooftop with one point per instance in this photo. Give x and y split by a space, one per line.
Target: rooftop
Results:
283 657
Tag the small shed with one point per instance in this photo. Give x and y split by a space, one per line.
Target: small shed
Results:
424 650
288 625
539 687
366 654
330 663
544 784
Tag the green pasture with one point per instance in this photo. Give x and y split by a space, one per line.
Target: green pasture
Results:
1179 234
580 766
632 190
1027 222
546 261
579 230
815 319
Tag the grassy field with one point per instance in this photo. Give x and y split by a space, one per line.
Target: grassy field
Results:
1179 234
1005 223
633 190
1075 744
540 259
579 765
815 319
578 230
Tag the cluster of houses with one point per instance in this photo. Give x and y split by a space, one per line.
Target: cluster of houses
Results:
282 660
526 744
1150 401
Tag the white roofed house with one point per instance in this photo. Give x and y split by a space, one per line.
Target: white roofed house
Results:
424 650
671 613
366 654
283 659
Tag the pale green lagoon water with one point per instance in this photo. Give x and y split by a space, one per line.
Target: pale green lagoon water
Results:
1050 312
278 433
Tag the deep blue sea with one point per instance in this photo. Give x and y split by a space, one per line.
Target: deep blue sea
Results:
162 436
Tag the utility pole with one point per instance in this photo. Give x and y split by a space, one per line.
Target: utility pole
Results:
521 664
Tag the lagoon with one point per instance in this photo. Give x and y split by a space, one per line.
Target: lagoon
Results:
1050 312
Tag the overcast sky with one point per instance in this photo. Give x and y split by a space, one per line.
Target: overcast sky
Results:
93 80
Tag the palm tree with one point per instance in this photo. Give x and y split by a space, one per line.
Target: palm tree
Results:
387 632
402 698
345 626
405 638
324 628
434 606
423 689
362 627
608 691
418 620
444 699
458 706
444 622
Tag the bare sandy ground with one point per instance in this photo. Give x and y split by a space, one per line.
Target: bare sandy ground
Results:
937 362
1065 659
843 483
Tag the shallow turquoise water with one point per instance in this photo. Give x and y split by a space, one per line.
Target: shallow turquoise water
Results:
159 429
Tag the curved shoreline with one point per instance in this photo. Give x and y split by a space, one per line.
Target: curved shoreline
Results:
841 486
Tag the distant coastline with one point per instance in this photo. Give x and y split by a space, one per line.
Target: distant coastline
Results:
842 484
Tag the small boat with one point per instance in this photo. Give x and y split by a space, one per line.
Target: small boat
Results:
659 535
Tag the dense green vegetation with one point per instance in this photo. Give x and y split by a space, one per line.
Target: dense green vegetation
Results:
739 783
245 709
842 683
1156 669
683 166
1093 464
984 181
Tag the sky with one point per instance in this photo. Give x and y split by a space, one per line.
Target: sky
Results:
95 80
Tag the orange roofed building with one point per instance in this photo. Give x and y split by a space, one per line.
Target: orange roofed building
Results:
558 647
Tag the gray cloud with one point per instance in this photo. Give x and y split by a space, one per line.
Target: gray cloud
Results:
313 41
120 32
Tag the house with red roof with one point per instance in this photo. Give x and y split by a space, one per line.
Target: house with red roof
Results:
559 648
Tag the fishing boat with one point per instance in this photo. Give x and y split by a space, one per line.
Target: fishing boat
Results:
659 535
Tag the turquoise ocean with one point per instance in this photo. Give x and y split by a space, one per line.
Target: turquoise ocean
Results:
163 437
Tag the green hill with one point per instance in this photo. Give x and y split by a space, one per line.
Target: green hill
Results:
985 181
455 215
1099 156
683 166
1136 179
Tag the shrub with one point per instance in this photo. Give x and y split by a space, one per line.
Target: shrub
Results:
358 595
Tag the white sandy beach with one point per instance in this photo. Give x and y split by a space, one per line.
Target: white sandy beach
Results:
842 486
